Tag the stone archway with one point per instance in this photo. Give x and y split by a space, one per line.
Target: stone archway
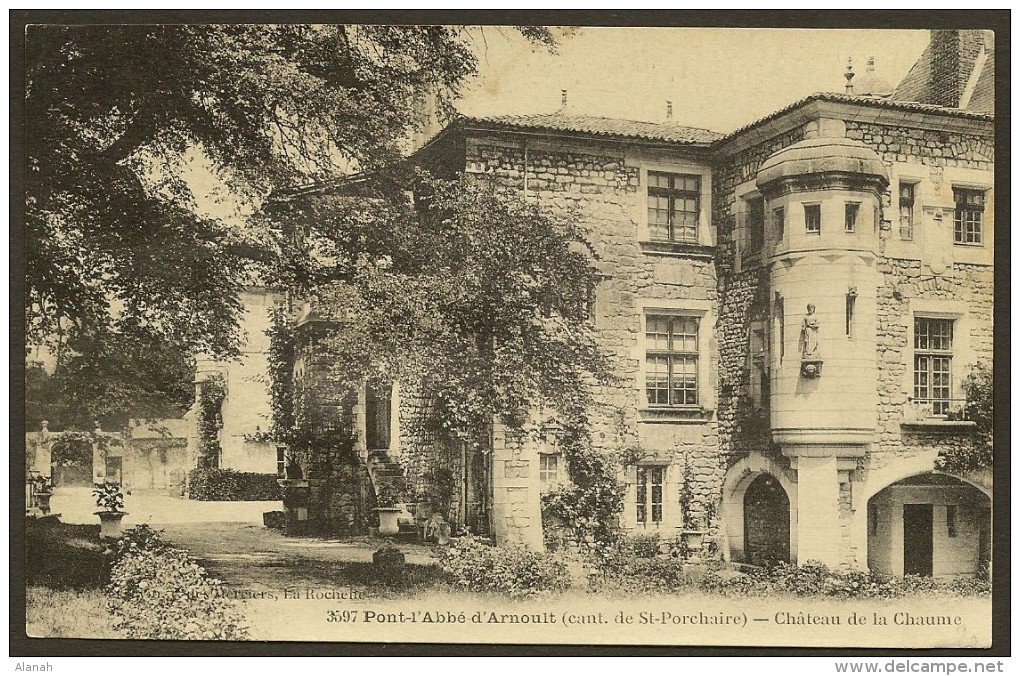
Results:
739 479
929 524
891 471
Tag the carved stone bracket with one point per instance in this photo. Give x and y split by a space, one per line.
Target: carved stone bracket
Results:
810 368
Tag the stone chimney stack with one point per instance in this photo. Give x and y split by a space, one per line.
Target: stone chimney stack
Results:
563 99
849 75
669 110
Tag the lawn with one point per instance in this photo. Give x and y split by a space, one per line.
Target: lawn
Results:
65 573
329 590
67 613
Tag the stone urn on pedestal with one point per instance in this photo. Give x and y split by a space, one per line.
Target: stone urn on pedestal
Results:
42 498
388 520
387 499
110 500
692 539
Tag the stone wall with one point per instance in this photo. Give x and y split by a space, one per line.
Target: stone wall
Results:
600 184
433 464
743 298
929 147
907 281
336 503
969 286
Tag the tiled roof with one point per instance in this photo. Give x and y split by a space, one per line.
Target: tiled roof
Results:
983 98
914 84
601 126
909 106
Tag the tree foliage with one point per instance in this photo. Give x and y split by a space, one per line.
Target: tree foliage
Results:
480 299
978 389
476 300
119 247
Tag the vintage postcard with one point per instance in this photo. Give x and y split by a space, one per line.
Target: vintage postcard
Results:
634 336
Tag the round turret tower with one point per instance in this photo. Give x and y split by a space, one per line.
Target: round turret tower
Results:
824 197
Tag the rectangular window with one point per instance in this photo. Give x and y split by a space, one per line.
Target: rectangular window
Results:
674 206
933 363
755 224
671 363
907 193
851 302
649 494
779 222
970 214
281 462
813 219
377 416
548 469
780 332
851 211
951 520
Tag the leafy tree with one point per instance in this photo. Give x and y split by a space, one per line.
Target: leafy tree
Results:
480 298
119 249
108 380
475 300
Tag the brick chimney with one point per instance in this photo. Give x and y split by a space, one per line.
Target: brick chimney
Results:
953 56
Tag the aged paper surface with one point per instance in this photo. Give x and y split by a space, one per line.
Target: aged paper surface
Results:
794 232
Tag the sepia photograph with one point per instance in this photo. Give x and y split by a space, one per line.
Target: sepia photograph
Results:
415 332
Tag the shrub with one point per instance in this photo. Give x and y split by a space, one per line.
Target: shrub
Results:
161 593
515 571
643 546
815 579
137 539
619 570
64 556
629 574
230 485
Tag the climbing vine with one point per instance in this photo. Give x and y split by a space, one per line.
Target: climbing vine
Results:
281 375
316 441
978 389
592 501
73 449
211 393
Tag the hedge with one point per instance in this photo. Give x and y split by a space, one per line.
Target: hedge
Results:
230 485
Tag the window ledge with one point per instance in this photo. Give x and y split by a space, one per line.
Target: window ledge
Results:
938 424
674 415
682 249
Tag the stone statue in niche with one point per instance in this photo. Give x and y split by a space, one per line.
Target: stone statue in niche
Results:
809 334
810 361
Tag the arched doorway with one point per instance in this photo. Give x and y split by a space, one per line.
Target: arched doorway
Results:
929 524
71 458
766 521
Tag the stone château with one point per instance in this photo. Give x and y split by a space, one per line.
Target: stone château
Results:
795 307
